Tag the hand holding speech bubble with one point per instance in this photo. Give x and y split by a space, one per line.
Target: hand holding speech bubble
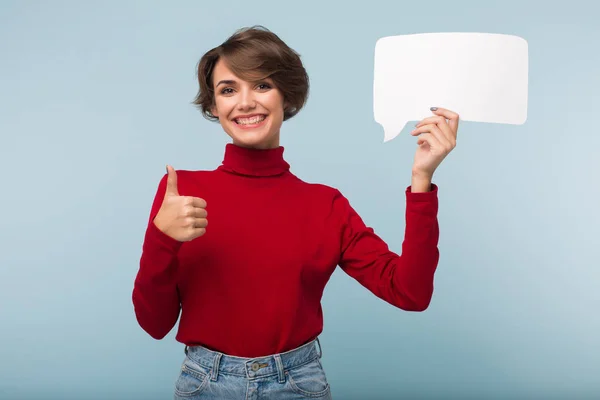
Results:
481 76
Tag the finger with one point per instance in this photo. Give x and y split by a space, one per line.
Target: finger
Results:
436 119
442 125
196 212
197 232
196 202
200 223
429 139
433 129
171 182
196 222
199 213
452 117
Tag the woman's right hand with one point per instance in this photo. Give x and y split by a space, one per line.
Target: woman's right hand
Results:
182 218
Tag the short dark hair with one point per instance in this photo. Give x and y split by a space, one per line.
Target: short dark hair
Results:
255 53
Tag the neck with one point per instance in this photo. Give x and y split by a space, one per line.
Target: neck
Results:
253 161
272 144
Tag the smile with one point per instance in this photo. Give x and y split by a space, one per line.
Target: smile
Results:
253 121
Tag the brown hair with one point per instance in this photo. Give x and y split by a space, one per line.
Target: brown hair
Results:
255 53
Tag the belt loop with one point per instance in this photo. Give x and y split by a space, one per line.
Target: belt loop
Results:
185 350
320 348
214 374
280 372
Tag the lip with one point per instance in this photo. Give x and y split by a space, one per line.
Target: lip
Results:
250 126
248 115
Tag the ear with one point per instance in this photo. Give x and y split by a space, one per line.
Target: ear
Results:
213 111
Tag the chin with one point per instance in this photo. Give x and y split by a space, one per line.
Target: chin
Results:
257 137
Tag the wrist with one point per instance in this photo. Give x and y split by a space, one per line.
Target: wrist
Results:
420 182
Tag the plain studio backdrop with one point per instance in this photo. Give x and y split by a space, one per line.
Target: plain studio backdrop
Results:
95 101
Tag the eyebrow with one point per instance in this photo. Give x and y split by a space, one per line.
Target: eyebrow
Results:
226 82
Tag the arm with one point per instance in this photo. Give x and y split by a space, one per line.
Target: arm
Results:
155 295
404 281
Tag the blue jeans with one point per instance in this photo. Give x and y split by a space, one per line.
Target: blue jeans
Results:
295 374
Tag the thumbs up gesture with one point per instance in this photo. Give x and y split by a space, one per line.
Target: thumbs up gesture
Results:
182 218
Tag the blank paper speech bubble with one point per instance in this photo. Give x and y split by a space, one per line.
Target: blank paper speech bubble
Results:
481 76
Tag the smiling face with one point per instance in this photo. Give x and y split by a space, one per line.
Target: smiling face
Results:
251 113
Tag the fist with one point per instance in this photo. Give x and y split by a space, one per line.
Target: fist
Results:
182 218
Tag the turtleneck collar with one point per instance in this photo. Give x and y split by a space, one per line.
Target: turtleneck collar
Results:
254 162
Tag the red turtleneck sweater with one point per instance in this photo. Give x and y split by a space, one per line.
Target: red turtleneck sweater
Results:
252 285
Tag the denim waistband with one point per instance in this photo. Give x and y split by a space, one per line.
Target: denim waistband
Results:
255 367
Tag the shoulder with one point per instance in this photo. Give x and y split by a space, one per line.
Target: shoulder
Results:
187 175
188 180
327 195
184 175
316 188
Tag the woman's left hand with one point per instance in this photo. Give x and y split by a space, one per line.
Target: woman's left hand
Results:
437 138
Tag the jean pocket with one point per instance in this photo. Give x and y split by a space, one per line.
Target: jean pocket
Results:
192 379
309 380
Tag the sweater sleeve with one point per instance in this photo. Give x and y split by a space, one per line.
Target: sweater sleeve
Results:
155 294
406 280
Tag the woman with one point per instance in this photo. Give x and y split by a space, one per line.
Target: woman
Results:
249 286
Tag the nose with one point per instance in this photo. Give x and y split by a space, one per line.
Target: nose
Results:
246 100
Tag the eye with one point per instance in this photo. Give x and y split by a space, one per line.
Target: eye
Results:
226 91
264 86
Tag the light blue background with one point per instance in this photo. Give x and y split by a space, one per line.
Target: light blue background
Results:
95 100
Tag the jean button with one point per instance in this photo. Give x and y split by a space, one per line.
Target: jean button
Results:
255 367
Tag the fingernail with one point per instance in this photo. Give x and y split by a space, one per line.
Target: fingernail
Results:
433 108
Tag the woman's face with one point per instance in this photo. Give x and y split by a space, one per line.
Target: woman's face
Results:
251 113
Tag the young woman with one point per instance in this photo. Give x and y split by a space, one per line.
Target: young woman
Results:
249 286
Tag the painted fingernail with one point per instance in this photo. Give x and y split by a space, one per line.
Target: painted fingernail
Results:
433 108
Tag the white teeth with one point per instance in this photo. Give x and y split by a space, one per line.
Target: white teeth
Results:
249 121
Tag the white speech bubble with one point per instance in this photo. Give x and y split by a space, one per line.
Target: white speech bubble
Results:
481 76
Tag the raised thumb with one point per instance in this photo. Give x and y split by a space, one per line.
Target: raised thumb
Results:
172 182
